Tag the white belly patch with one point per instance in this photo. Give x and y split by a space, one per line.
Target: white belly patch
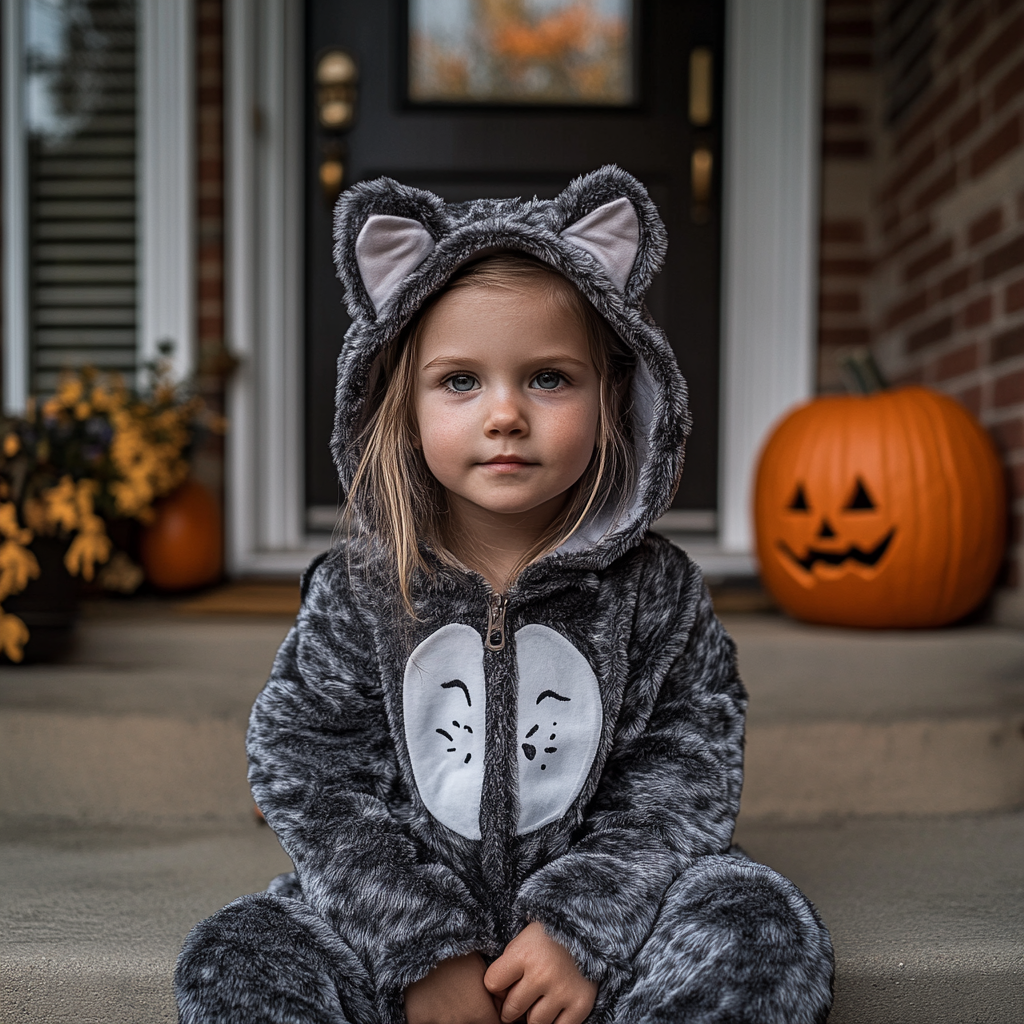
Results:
558 725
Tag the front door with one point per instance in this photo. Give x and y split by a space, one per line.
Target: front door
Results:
498 98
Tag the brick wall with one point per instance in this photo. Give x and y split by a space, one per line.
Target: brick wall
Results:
849 130
947 285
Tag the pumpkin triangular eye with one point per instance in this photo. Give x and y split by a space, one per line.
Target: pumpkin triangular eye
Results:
799 501
861 499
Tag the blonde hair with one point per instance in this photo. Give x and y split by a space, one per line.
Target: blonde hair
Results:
395 497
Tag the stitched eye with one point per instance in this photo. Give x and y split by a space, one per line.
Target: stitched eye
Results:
548 380
461 382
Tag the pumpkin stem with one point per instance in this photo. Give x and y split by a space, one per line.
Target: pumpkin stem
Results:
861 374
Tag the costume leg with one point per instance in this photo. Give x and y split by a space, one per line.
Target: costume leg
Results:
269 958
734 942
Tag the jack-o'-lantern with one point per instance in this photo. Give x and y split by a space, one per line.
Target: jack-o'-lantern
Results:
883 510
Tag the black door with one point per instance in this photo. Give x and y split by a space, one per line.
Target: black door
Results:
667 134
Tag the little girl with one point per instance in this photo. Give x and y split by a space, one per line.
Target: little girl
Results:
503 742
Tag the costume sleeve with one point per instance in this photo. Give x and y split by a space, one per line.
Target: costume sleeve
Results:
669 792
323 770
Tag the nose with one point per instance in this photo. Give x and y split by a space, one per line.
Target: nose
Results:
826 530
505 416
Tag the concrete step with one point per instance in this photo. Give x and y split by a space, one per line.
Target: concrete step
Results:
927 915
146 722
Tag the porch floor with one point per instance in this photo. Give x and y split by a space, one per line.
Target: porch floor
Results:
126 817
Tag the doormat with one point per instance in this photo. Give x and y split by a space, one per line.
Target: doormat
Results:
244 599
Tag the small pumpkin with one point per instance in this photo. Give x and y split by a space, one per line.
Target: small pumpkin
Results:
182 547
884 510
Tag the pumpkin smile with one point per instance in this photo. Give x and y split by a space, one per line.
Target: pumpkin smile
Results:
854 553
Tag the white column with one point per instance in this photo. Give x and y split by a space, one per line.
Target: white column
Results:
166 181
770 230
15 212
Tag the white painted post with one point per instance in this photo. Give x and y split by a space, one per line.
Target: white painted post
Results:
770 233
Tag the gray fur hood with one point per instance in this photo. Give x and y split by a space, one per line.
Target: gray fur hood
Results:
396 246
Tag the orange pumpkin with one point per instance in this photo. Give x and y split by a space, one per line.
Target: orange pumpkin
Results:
882 510
182 548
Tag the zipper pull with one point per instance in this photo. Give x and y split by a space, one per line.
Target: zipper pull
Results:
495 622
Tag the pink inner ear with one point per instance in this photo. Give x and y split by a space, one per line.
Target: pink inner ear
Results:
611 234
388 250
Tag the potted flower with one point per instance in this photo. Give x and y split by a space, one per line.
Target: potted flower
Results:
93 453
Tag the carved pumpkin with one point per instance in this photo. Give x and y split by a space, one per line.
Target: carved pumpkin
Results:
182 548
882 510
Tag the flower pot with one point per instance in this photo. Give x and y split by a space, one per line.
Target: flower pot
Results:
183 548
48 605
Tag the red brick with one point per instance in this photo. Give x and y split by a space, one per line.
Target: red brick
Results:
936 106
985 226
1014 298
966 35
971 398
936 189
842 231
1008 436
909 239
1006 42
836 336
918 164
1004 258
1016 480
1007 345
846 149
934 257
839 302
844 60
1008 86
904 310
955 364
955 282
862 28
843 113
931 334
1009 390
967 123
910 377
845 268
978 312
1005 139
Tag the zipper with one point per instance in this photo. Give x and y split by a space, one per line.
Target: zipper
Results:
495 622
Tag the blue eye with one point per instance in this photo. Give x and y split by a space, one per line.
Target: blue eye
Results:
461 382
548 380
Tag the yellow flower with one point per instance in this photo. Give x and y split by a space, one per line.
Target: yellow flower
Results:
17 566
62 505
69 392
10 527
90 547
13 636
82 410
51 408
12 445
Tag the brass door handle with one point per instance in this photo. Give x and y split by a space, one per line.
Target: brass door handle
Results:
336 79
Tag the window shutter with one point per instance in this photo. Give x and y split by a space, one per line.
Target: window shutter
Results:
82 173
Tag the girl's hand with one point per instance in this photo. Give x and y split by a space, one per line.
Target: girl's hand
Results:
537 977
452 993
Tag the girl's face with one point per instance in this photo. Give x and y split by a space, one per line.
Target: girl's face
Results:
507 400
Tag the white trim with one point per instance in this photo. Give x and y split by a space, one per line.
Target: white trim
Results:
263 141
15 213
166 182
770 230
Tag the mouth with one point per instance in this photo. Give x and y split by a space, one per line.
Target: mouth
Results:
837 558
507 460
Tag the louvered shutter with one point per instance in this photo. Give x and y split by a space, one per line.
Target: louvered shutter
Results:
82 174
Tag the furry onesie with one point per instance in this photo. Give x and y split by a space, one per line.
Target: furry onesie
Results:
570 752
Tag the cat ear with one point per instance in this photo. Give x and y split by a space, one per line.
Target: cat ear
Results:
611 234
388 249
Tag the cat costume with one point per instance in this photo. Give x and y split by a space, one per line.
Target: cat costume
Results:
570 752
